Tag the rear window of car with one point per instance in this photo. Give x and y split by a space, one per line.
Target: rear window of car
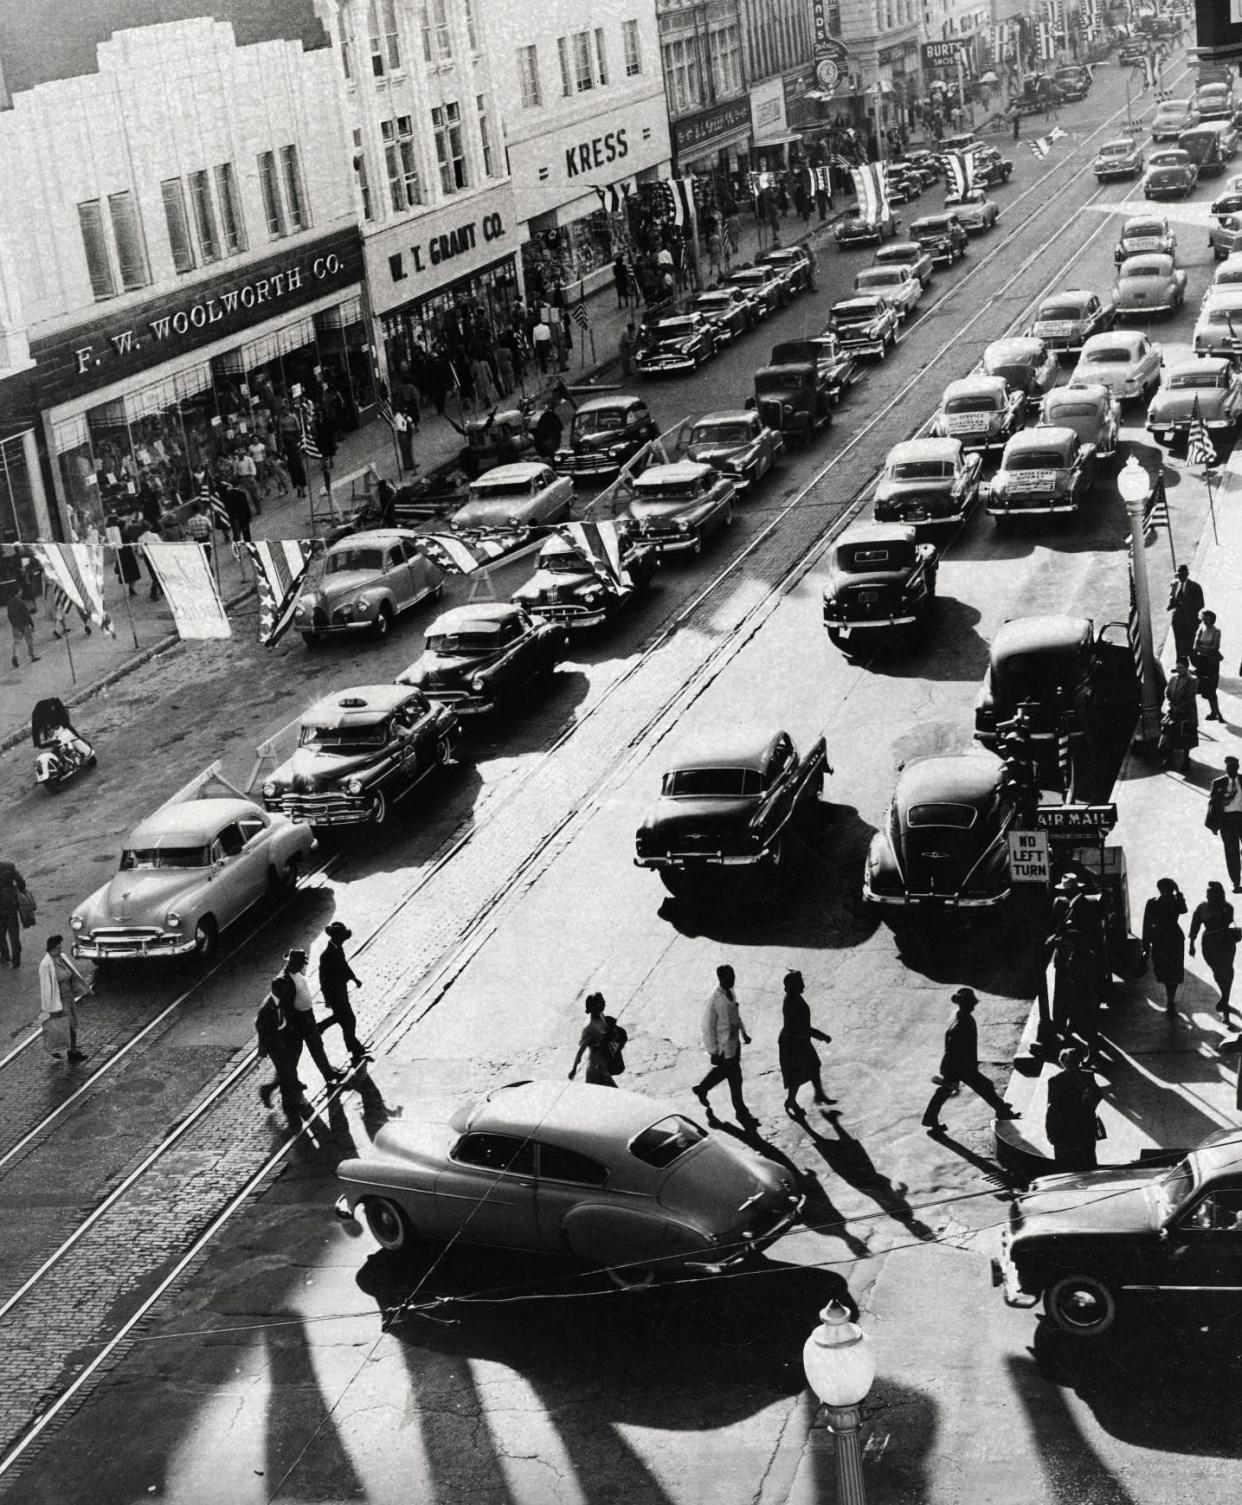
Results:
740 432
1077 410
713 783
1198 379
1144 230
145 859
958 816
496 1152
982 402
556 1163
923 470
355 559
666 1141
1061 311
1037 459
1108 355
350 737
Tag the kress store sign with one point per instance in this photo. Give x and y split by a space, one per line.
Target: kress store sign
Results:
109 349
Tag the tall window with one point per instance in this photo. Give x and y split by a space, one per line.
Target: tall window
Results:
472 35
562 53
450 153
385 41
601 57
131 250
95 243
683 75
347 39
633 55
231 220
360 172
726 58
295 198
178 225
582 61
485 135
270 189
437 32
402 167
204 216
528 77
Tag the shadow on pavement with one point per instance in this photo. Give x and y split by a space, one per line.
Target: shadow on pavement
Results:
848 1158
951 651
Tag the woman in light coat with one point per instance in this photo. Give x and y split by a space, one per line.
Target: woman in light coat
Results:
60 987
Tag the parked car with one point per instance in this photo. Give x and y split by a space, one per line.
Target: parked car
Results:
793 398
991 168
925 162
866 325
678 342
363 584
794 265
1207 147
1091 411
837 368
676 508
855 230
360 751
1142 233
896 284
1214 101
513 497
1225 236
1171 174
737 443
881 580
585 574
1218 329
730 806
1148 284
941 236
729 311
1124 360
1067 318
1073 81
980 412
1212 383
606 433
942 846
610 1179
927 481
186 873
1058 668
977 214
906 253
1229 273
1044 471
904 185
1172 117
1229 200
479 657
501 437
1025 362
763 284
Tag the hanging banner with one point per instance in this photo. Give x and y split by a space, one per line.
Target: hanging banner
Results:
280 566
189 587
77 570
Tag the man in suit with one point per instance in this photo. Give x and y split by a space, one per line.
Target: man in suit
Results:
335 976
723 1037
1224 818
959 1066
1185 602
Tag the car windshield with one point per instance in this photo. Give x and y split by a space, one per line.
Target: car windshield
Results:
931 226
674 329
666 1141
1171 159
899 255
1036 459
1075 410
974 402
923 470
482 641
1227 277
732 432
884 277
1226 314
857 313
959 817
489 491
147 859
561 563
343 737
1144 269
598 422
355 559
1060 311
1116 149
713 783
1198 379
1174 1187
667 491
1108 355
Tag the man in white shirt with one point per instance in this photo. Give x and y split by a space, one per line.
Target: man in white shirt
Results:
302 1016
1224 817
245 472
723 1037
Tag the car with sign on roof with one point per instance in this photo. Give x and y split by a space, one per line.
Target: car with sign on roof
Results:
1122 158
1211 384
866 324
1091 411
906 253
611 1180
763 284
927 481
897 284
677 342
677 507
979 411
861 230
1145 232
526 495
941 236
1172 117
1066 318
880 582
1123 360
729 311
188 872
736 442
1148 284
1044 472
837 368
942 846
977 213
1218 328
1025 362
793 264
479 657
1171 174
585 574
728 808
363 583
360 751
606 433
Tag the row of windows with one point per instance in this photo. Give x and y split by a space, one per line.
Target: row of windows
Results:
203 216
583 61
779 35
401 161
686 70
383 35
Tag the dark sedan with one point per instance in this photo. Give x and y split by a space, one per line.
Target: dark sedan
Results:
794 265
941 236
1026 364
729 311
681 342
482 656
764 285
881 580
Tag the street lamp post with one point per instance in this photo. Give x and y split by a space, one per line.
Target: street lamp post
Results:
1134 484
840 1368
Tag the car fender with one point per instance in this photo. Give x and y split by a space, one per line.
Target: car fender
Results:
604 1235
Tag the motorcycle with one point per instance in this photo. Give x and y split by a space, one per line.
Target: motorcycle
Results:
61 751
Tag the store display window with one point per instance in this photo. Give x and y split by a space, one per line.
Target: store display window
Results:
17 514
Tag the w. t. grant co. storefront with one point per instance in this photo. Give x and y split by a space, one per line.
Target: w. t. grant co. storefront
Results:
136 401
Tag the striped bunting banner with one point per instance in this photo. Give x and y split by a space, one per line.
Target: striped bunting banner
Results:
601 544
871 190
961 168
457 554
280 566
77 571
210 498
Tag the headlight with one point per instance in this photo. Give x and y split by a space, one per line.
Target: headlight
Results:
476 684
76 923
617 449
353 786
269 790
682 525
591 595
172 919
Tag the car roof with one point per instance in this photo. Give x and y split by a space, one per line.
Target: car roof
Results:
1014 345
1080 294
1044 436
1122 141
878 533
1214 363
189 821
902 247
925 449
1224 295
1039 633
518 470
612 400
574 1114
952 778
737 748
358 706
977 381
463 618
1090 391
1141 222
678 470
1131 337
725 415
868 300
376 537
1145 259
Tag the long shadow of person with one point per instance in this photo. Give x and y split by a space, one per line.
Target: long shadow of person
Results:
820 1213
847 1157
991 1170
375 1111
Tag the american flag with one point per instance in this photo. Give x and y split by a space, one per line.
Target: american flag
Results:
871 190
210 498
1156 513
1065 760
601 544
387 414
75 571
1041 146
460 555
1199 448
306 422
280 566
578 314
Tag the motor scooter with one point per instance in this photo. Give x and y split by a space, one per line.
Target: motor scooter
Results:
61 752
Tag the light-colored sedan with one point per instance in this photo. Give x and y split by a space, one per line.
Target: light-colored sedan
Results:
1229 272
609 1178
977 214
1211 383
1172 117
1121 158
898 284
1091 411
979 411
1144 232
1148 284
906 253
1218 329
1043 472
187 872
515 496
1124 360
676 507
365 582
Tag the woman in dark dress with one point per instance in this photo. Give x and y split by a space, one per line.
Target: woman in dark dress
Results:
1220 941
798 1058
1163 941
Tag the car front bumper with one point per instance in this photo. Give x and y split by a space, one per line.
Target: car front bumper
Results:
655 364
871 345
327 809
105 945
847 626
568 615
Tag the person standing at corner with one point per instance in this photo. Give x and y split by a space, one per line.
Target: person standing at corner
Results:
724 1034
1220 941
302 1015
22 624
335 976
1224 819
11 884
593 1042
798 1057
1069 1124
1205 659
959 1066
60 987
281 1043
1185 604
1163 941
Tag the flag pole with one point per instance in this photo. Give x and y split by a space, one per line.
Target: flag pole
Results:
129 613
72 671
1207 476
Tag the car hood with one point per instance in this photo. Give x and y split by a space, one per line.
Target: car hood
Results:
337 586
1088 1202
662 508
674 818
713 454
544 585
1179 403
669 342
709 1185
140 896
494 514
310 768
431 669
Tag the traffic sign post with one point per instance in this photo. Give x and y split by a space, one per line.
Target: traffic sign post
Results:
1028 857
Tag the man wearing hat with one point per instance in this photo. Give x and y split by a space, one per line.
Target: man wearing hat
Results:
1076 948
1073 1097
335 976
960 1065
302 1015
280 1042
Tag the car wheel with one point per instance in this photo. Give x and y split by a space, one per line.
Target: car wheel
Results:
632 1277
206 938
379 808
389 1225
1080 1305
383 621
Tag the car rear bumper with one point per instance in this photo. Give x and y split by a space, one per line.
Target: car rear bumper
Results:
864 347
745 1247
684 861
654 365
932 901
1030 509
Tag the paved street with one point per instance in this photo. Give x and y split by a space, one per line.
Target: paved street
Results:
290 1359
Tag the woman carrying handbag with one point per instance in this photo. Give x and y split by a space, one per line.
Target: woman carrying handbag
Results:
61 985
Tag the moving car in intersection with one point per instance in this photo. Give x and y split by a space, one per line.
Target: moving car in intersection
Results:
764 285
928 481
794 265
735 442
866 325
1067 318
1142 233
1213 383
1091 411
477 658
897 284
1172 117
1147 284
1122 158
1025 362
359 751
513 497
1171 174
729 311
606 433
941 236
187 872
1043 471
980 412
364 582
881 580
613 1180
1220 320
676 508
1124 360
586 573
729 807
679 342
906 253
855 230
